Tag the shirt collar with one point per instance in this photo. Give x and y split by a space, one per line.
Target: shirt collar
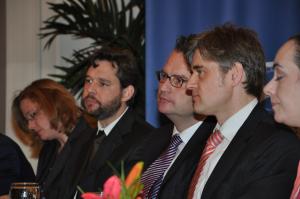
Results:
186 134
231 126
109 127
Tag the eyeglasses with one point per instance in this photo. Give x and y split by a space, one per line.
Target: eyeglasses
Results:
30 116
175 80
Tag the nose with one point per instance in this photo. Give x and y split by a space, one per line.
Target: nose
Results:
270 88
90 87
31 125
165 85
192 82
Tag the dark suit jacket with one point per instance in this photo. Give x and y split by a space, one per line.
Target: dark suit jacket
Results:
120 145
176 182
14 167
60 173
260 162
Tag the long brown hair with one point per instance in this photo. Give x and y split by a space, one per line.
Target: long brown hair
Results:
55 101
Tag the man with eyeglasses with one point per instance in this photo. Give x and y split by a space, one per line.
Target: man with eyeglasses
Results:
173 150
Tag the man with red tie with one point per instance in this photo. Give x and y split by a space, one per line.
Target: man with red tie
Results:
252 157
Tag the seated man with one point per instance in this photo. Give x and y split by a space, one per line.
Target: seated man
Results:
248 155
108 94
172 151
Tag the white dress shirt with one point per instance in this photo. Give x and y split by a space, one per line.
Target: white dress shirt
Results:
228 130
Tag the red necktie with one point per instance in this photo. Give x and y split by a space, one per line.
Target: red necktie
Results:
298 197
213 141
296 190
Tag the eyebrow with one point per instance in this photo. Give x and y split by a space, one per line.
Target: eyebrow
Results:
275 65
177 75
194 67
103 80
99 79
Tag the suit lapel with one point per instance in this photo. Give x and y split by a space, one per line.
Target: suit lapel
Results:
194 147
161 137
59 164
65 154
232 154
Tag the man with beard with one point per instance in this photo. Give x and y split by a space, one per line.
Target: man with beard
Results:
109 90
185 136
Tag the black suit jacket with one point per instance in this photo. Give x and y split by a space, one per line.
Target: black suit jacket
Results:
61 177
260 162
14 167
176 181
120 145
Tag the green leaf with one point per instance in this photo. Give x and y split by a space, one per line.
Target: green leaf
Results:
80 190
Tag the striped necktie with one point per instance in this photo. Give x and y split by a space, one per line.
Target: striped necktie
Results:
213 141
152 177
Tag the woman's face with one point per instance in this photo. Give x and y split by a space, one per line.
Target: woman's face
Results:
37 120
284 88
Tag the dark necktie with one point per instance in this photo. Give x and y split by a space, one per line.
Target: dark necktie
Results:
152 177
96 143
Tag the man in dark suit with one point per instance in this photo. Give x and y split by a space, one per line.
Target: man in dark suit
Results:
14 167
176 104
252 156
109 90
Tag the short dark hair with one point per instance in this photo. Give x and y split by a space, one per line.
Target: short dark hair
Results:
296 40
228 44
181 43
123 61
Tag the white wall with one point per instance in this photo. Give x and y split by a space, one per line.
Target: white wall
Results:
26 59
23 55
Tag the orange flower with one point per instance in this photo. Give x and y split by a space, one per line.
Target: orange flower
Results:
117 188
134 174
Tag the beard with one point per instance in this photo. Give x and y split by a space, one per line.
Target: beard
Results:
105 110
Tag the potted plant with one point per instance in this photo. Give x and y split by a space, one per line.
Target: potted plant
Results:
105 22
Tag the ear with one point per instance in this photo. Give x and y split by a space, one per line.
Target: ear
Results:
237 73
127 93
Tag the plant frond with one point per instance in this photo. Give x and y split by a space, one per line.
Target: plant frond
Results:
105 22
